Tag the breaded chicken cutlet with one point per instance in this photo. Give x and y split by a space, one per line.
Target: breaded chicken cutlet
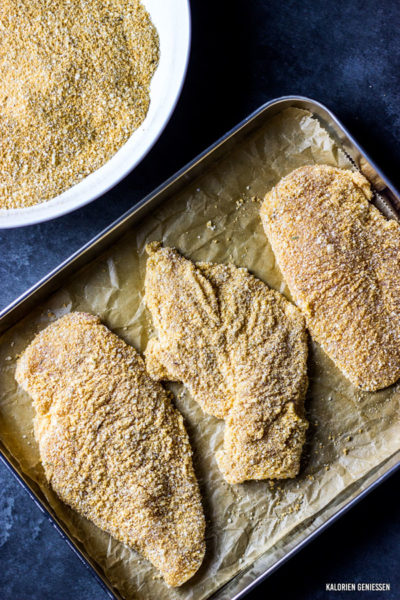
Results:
241 350
112 445
341 260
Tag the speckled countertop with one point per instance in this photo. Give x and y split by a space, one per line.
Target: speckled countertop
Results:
345 54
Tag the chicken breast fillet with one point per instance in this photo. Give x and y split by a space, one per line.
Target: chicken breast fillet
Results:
341 260
241 350
112 445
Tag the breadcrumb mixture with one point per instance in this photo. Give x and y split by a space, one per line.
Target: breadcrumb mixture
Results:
241 349
341 260
75 78
112 445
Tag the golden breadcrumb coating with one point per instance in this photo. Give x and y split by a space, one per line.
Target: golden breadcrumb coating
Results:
112 445
341 260
241 349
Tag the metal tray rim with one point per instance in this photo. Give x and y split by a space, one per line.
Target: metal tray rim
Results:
117 225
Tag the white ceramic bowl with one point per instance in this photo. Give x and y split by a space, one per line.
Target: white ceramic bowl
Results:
172 20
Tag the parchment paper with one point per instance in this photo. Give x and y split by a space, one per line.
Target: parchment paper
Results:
215 219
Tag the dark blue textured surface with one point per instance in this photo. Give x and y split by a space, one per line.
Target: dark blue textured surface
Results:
345 54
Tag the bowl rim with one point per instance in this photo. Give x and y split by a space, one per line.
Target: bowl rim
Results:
22 217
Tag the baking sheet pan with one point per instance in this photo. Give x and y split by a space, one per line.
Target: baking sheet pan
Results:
210 211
